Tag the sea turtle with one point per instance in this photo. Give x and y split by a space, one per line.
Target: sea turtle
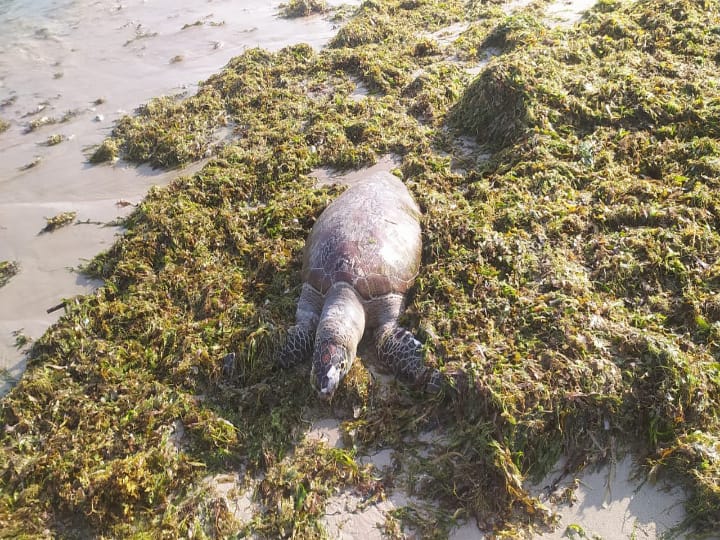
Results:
360 259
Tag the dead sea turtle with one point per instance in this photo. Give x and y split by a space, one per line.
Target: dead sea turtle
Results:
360 259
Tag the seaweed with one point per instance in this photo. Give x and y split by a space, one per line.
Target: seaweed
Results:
62 219
7 270
568 288
181 132
107 151
524 29
43 121
4 125
55 139
294 491
37 160
37 123
302 8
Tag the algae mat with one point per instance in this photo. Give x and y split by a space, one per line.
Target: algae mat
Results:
568 291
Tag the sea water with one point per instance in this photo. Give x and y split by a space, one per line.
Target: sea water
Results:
13 11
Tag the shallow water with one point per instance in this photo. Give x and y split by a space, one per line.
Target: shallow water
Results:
89 62
18 11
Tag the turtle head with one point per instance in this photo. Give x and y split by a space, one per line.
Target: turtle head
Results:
331 362
341 326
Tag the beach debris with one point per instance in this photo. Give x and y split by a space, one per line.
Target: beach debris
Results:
60 220
56 307
7 270
40 122
108 150
54 139
302 8
34 163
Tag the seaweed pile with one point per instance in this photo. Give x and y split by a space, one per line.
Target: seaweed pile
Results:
302 8
569 285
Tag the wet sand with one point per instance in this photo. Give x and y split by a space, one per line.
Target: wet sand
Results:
97 61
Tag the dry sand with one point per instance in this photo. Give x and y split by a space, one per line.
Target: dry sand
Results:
617 501
612 502
66 58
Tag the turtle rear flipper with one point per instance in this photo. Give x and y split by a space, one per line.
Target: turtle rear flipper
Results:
403 353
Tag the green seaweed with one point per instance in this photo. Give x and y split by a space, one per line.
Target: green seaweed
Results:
32 164
568 288
107 151
38 123
302 8
4 125
62 219
524 29
7 270
181 132
294 490
54 140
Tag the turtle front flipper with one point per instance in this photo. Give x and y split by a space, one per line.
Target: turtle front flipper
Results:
300 338
298 345
400 350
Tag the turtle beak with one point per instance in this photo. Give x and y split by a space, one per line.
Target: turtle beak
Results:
328 383
327 371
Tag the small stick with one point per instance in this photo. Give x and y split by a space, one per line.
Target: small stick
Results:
55 308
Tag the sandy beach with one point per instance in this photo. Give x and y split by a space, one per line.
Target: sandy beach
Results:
75 68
